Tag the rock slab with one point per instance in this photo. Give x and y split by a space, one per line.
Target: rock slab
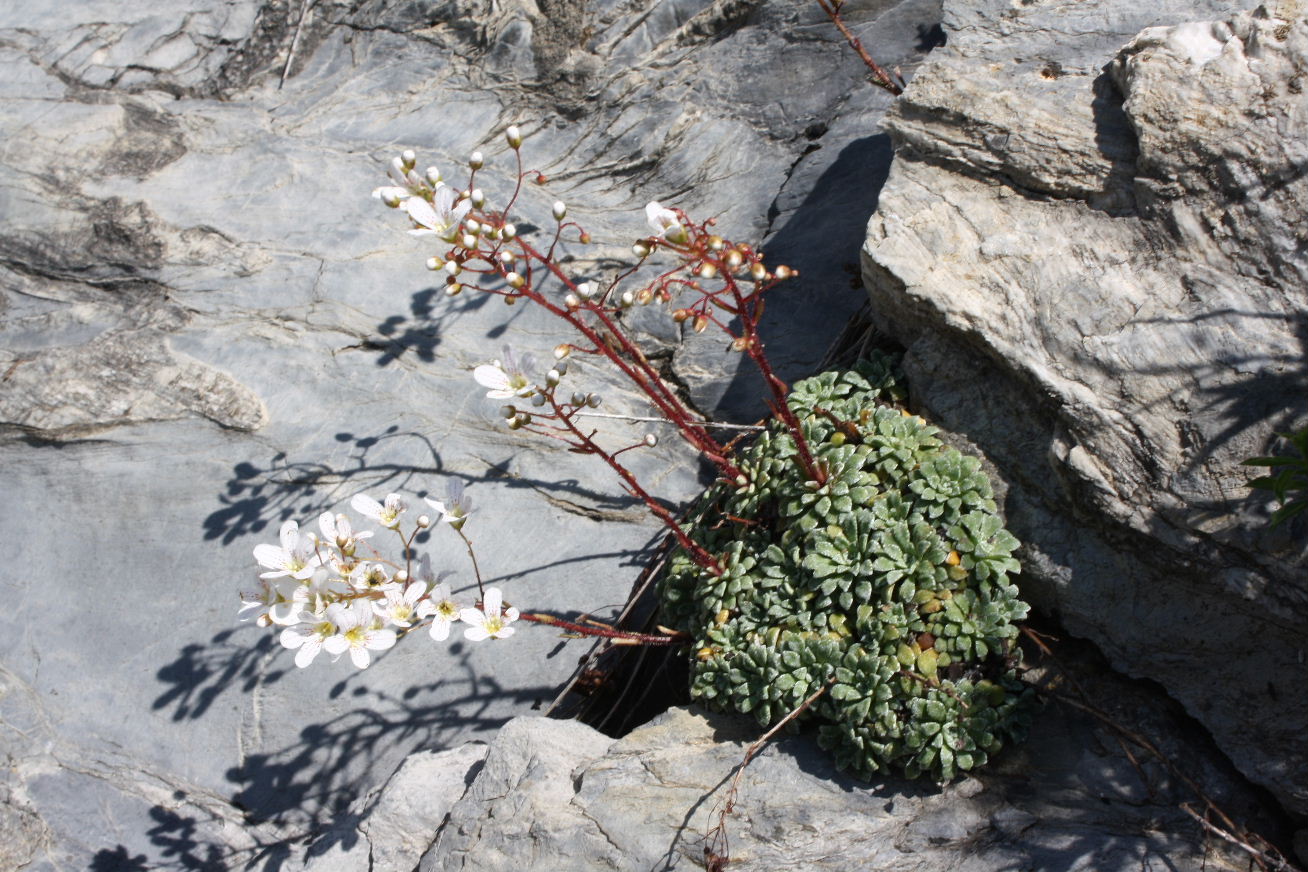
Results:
1092 246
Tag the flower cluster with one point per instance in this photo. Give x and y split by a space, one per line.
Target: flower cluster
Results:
327 596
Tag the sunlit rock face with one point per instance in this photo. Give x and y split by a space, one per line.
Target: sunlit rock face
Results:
1092 246
208 327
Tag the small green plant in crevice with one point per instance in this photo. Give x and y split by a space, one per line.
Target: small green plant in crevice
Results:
888 581
1288 478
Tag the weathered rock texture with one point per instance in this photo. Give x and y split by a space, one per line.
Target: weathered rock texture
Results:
1092 244
555 795
207 326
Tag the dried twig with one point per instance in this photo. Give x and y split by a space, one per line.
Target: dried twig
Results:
1268 859
717 852
295 41
1273 862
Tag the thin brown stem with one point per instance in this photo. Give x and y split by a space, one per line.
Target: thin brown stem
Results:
879 76
606 631
716 852
472 555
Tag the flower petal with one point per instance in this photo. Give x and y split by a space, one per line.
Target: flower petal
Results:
307 652
380 640
366 505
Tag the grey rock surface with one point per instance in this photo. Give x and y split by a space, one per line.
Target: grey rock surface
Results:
1091 244
556 796
208 327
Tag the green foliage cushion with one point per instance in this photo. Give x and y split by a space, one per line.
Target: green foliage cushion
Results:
891 581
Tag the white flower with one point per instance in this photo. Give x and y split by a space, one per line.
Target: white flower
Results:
338 529
371 576
308 638
296 556
506 379
457 506
445 611
441 217
488 622
358 631
664 222
399 607
274 600
387 514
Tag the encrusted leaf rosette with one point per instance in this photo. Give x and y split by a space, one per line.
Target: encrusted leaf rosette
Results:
891 582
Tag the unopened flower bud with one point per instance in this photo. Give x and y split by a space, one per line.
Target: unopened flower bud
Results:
644 295
701 321
562 351
758 272
392 198
553 377
651 440
523 418
510 299
681 315
584 238
538 399
740 343
424 521
509 231
469 241
594 400
627 298
734 259
515 423
578 399
513 136
586 290
434 263
784 272
476 161
572 301
561 366
716 243
508 256
560 210
509 411
478 198
397 164
453 289
453 267
640 249
408 158
707 270
515 281
433 175
472 226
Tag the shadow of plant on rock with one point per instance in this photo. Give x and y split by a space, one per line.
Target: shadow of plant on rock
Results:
260 498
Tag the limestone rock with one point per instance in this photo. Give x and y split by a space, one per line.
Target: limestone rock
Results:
1091 247
558 797
208 327
393 827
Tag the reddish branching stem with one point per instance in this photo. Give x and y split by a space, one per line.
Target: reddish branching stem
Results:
606 631
879 76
